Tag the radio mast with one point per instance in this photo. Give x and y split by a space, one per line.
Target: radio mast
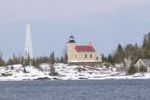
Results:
28 46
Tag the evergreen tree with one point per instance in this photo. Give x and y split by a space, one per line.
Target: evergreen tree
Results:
110 59
132 70
61 59
119 56
104 59
65 58
2 61
146 46
52 58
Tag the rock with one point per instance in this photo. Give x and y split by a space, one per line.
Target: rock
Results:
43 78
6 74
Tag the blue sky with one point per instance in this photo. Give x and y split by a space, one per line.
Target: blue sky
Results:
105 23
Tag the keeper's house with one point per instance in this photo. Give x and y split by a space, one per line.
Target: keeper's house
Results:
145 63
81 53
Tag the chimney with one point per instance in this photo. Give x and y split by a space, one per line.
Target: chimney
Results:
90 44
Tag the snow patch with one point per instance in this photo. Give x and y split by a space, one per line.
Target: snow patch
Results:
65 72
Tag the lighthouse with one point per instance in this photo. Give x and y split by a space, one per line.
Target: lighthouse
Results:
81 54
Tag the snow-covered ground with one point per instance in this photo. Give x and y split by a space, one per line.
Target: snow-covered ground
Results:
65 72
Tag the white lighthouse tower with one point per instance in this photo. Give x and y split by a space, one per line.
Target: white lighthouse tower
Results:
28 45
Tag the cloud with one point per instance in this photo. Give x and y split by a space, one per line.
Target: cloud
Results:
13 10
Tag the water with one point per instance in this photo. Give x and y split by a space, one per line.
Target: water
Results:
76 90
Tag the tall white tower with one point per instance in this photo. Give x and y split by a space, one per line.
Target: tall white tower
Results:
28 43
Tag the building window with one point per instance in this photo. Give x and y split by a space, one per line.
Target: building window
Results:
85 55
90 55
75 56
96 58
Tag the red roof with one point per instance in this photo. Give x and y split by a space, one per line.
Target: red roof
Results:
84 49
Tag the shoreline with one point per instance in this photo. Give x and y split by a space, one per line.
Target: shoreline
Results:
66 72
130 77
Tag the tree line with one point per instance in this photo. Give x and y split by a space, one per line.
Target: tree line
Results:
51 59
130 52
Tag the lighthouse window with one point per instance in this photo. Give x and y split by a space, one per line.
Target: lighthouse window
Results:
75 56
